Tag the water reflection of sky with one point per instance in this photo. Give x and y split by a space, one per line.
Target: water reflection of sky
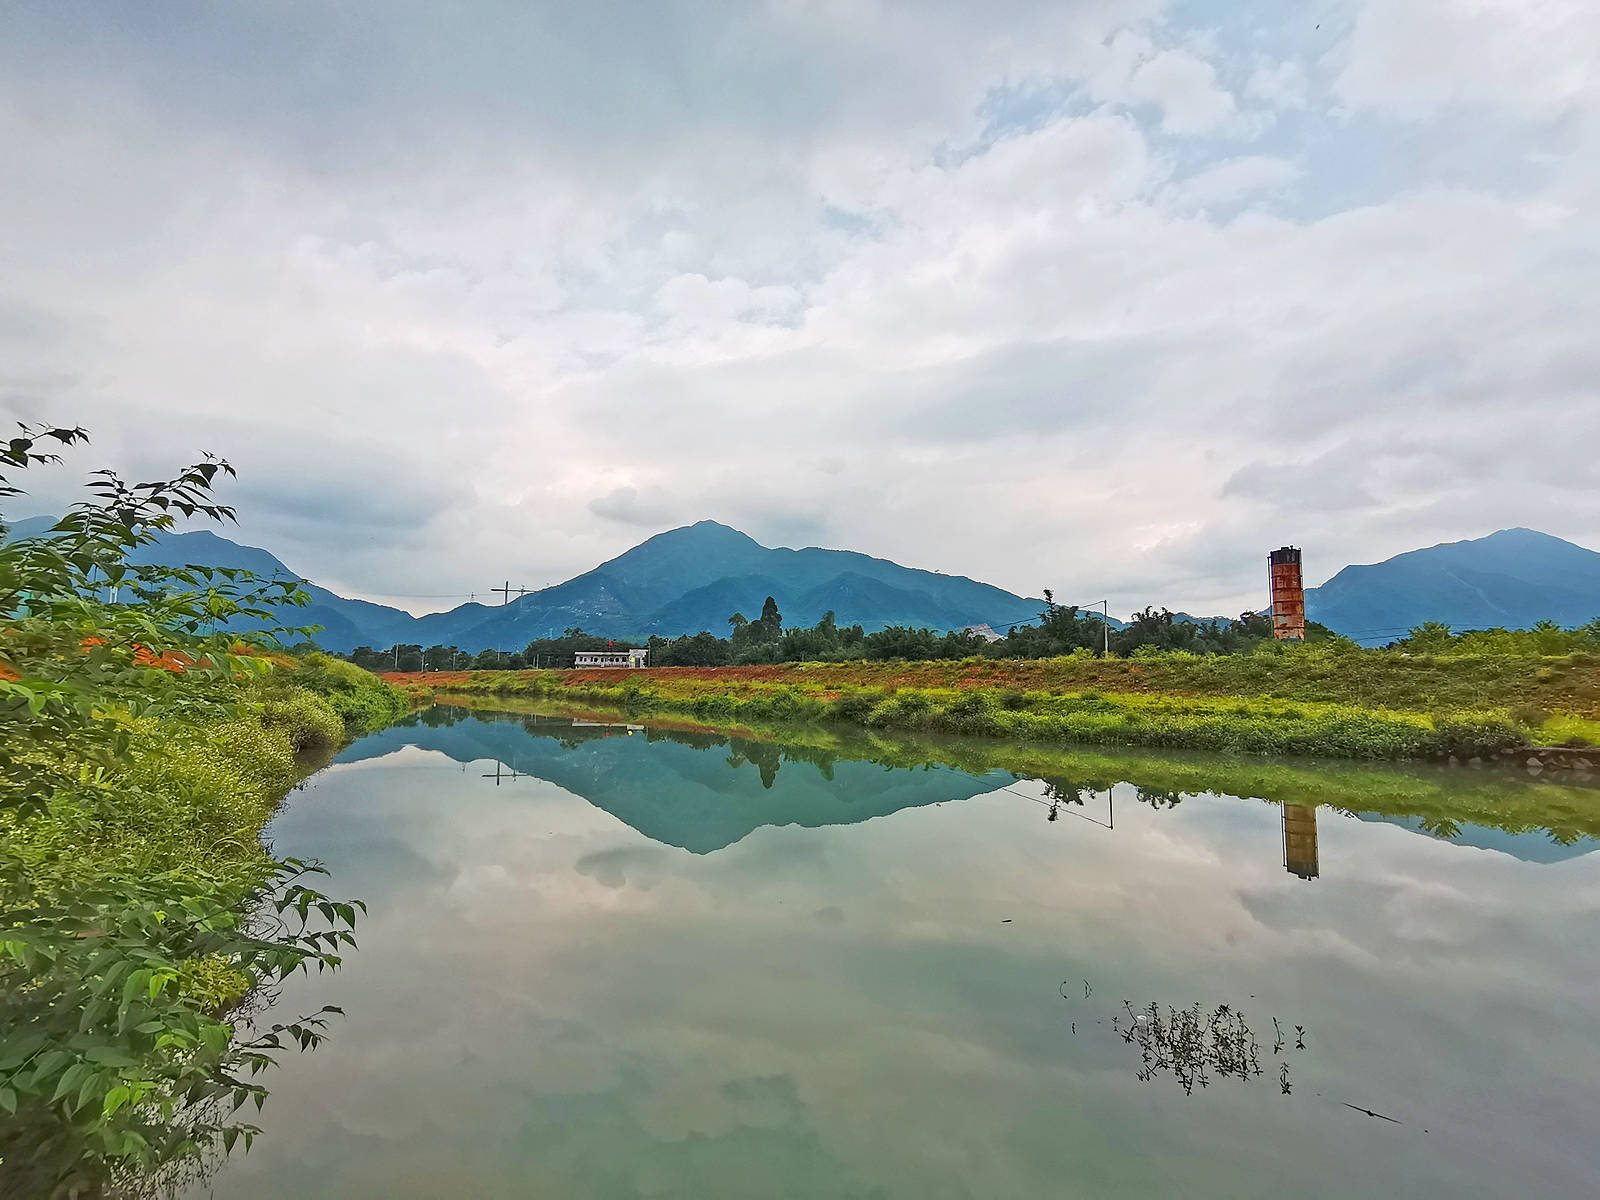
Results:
547 1001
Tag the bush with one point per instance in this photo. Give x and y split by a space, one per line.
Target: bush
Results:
310 725
362 701
855 706
1530 715
973 713
973 704
1471 738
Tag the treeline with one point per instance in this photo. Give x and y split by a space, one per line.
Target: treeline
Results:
1060 630
542 652
1544 640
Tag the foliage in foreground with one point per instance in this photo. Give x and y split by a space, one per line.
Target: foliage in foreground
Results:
142 753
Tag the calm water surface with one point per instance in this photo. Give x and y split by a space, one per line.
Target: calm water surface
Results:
609 962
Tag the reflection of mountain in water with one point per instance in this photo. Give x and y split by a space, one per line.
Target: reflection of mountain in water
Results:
1537 848
701 792
704 791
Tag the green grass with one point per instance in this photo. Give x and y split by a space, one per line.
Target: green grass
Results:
1564 729
192 804
362 701
1249 724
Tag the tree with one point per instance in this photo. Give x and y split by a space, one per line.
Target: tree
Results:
771 621
758 640
1431 637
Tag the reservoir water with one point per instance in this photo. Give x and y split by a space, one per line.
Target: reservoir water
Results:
609 961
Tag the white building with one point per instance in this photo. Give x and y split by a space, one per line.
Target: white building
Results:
609 658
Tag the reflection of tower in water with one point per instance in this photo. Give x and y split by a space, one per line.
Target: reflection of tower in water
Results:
1300 840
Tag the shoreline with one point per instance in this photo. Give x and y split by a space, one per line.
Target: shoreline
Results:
1273 712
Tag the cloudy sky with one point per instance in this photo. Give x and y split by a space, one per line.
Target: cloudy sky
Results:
1110 296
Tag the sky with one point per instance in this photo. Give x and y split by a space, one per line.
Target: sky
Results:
1106 296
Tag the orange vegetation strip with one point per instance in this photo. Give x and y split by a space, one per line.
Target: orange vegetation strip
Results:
826 679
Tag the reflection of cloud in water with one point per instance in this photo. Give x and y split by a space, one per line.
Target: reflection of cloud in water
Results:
833 1009
641 866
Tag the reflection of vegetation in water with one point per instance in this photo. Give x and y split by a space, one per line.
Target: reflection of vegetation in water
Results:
1062 791
1157 797
1440 798
765 757
1194 1047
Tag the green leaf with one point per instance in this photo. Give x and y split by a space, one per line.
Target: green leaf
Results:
70 1079
115 1099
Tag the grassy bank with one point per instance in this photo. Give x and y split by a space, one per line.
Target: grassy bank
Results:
360 700
133 929
1301 700
143 746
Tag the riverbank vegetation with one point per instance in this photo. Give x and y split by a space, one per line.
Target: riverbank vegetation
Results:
140 914
1332 699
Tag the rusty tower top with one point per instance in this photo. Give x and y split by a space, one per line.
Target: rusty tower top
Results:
1288 595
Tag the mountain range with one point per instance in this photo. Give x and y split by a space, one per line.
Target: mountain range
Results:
681 581
692 578
1511 579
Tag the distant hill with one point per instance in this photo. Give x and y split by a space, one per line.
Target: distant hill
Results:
681 581
693 578
1513 578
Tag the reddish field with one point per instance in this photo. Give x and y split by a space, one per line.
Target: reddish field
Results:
1040 675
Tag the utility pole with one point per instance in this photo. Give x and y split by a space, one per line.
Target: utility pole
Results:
505 592
1105 621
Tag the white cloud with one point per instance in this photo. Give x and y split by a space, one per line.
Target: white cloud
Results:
1236 178
782 271
1416 58
1185 88
1281 84
632 507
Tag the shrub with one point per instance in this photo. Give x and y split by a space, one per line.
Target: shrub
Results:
1530 715
1471 738
362 701
855 706
309 724
973 713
